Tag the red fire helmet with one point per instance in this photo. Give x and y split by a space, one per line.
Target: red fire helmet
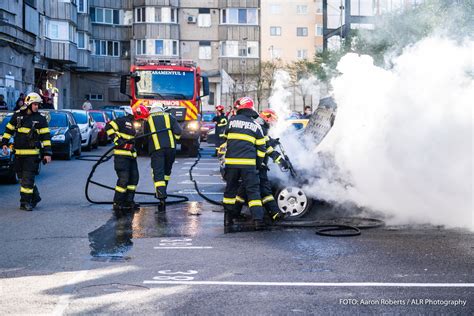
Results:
243 103
141 112
269 116
220 108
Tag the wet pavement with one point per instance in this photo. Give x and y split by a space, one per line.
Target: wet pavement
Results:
71 257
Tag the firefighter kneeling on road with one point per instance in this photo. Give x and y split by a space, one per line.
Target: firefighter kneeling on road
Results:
162 147
32 139
245 153
265 119
221 124
125 158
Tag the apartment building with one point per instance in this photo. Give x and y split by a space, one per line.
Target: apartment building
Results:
79 48
291 30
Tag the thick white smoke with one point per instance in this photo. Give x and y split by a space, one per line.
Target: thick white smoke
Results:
402 142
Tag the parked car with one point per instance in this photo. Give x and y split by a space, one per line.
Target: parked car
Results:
65 134
119 113
7 161
207 124
101 119
110 114
88 128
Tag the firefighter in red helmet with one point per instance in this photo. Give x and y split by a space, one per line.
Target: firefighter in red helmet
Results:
245 153
221 122
266 118
125 157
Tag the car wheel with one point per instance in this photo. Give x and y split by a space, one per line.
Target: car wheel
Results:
77 152
69 152
293 200
89 144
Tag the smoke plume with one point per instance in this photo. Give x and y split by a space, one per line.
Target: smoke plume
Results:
402 142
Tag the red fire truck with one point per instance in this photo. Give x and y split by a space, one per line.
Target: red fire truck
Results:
175 84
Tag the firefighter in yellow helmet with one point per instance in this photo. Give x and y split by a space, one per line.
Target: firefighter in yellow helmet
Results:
32 140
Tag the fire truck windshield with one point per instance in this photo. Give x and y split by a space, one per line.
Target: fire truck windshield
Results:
165 85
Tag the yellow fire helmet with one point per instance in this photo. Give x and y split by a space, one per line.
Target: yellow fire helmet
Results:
33 97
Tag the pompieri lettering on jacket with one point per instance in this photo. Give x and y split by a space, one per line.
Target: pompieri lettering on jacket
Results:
243 124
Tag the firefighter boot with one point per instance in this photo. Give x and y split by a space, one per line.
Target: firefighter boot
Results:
26 207
279 216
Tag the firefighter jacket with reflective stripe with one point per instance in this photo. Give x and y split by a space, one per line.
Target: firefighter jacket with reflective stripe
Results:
221 124
168 131
122 130
31 132
270 143
245 141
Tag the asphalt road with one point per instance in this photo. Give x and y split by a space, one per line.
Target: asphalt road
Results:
73 257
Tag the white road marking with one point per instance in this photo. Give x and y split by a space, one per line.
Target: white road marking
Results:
313 284
199 182
184 247
64 300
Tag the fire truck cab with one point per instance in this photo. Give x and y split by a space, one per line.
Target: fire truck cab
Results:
175 84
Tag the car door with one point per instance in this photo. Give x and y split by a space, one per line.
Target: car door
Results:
94 129
75 132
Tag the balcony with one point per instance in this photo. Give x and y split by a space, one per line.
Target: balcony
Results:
159 3
18 36
65 52
155 30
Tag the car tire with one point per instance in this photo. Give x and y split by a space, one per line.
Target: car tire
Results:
69 152
293 200
96 144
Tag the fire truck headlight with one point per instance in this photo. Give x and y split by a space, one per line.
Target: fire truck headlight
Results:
193 126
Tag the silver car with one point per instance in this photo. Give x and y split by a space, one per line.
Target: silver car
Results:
88 127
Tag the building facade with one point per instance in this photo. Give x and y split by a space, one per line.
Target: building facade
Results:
291 30
78 49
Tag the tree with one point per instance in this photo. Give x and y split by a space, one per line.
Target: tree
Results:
264 83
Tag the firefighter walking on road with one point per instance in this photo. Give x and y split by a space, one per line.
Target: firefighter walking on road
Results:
162 147
125 157
244 155
221 124
32 140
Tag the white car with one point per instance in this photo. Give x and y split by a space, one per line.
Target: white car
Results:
88 127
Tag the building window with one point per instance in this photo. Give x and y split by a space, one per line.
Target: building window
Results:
239 49
275 30
204 18
205 50
140 15
95 97
275 8
141 47
81 40
302 54
174 15
175 48
106 48
158 47
82 6
60 30
301 9
239 16
105 16
301 31
53 30
319 6
319 30
157 15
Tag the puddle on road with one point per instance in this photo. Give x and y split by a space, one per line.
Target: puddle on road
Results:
113 240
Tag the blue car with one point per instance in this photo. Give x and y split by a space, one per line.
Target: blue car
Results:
7 161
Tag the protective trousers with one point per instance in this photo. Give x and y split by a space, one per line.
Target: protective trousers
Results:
266 193
251 184
161 164
127 173
26 168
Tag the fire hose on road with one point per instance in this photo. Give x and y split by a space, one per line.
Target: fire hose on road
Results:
106 157
342 227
